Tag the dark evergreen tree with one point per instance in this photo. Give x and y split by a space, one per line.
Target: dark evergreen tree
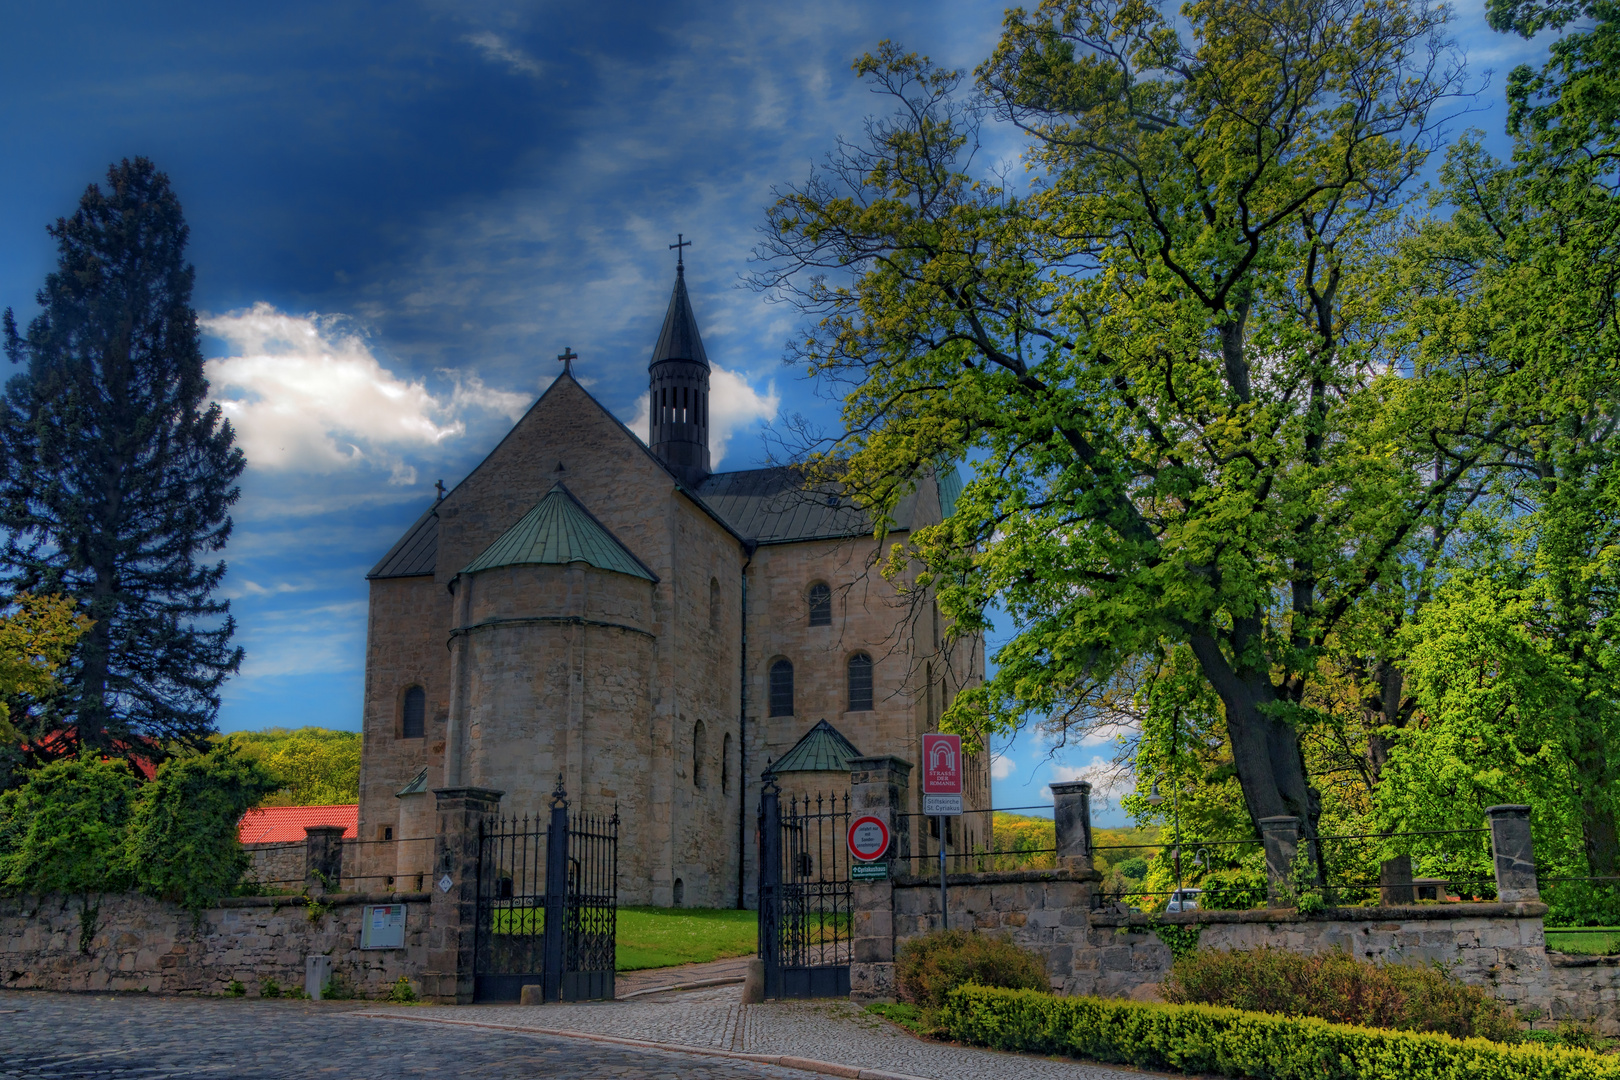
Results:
118 474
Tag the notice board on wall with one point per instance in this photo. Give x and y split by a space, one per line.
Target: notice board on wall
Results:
382 926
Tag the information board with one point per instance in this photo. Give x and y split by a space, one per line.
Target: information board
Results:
382 926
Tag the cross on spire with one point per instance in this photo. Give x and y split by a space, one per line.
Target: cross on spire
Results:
568 356
680 242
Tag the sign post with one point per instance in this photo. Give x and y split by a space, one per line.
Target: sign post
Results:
942 797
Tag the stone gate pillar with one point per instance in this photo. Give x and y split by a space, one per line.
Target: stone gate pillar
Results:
1514 854
1071 813
453 915
1281 836
323 858
877 786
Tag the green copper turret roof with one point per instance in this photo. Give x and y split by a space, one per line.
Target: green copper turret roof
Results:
559 530
823 749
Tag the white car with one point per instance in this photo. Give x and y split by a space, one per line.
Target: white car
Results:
1184 900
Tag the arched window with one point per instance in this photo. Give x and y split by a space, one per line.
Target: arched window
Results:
725 764
782 688
820 604
415 711
860 682
679 892
700 750
714 603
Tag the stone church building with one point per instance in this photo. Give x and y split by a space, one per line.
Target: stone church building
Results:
586 604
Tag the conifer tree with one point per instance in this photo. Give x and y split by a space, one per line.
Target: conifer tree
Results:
118 476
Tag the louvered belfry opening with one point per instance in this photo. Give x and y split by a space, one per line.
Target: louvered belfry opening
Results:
679 388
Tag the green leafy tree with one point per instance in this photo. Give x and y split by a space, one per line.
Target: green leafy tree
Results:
1166 356
183 842
116 474
36 637
63 832
314 766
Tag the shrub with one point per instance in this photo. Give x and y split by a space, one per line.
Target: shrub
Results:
183 837
63 829
234 988
269 988
1206 1039
1233 890
930 967
1339 988
401 993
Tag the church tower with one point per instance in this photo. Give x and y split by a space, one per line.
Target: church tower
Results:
679 377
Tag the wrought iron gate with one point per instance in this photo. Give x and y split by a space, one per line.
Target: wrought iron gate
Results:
547 905
804 894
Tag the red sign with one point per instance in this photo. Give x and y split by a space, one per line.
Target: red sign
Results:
868 838
942 765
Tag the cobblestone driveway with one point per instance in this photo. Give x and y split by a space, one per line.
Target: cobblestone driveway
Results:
57 1036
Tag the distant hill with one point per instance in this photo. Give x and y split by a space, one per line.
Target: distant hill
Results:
319 766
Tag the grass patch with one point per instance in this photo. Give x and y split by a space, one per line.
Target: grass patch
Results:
914 1018
651 937
1587 941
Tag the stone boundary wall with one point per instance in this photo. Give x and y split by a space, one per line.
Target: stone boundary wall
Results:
277 865
1499 946
146 944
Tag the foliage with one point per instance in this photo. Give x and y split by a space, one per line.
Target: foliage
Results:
269 988
183 842
314 766
649 937
1592 941
913 1018
1166 358
63 830
1338 987
1180 940
1233 890
1026 836
234 988
930 967
117 474
1205 1039
36 638
401 992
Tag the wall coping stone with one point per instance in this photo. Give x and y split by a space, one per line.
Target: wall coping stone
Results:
1522 910
325 900
1578 960
994 877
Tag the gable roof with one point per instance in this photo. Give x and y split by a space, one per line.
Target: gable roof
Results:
559 530
774 506
823 749
416 554
679 340
280 824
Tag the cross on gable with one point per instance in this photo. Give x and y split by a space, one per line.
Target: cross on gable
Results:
568 356
680 242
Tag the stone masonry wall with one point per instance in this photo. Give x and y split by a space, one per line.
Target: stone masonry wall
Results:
145 944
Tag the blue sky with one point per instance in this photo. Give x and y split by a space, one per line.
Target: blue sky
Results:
401 213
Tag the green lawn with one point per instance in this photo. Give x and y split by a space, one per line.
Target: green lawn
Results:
663 937
1587 940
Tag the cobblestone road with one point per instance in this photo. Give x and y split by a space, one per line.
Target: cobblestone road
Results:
58 1036
715 1019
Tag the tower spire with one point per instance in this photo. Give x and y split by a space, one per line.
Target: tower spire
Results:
679 385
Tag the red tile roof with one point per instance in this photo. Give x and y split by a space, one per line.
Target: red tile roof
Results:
278 824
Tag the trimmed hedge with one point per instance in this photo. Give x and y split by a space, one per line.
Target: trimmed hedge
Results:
1258 1046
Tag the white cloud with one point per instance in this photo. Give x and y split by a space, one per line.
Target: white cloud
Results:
733 406
498 49
307 394
1108 780
1002 767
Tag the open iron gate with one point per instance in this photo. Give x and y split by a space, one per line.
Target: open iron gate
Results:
804 894
547 905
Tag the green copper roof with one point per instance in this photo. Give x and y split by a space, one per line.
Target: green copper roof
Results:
559 530
950 488
823 749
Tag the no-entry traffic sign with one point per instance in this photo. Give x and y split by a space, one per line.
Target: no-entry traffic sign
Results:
868 838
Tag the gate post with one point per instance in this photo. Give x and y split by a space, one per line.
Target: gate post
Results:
1513 853
1281 837
453 912
770 881
1071 814
556 894
878 787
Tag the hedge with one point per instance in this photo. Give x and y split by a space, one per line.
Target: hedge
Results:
1257 1046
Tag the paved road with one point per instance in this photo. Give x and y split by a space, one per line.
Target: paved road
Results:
57 1036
